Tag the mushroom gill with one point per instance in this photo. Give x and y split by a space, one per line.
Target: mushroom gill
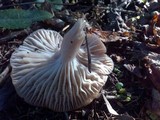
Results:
52 72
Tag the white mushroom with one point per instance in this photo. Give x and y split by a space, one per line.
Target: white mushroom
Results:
51 71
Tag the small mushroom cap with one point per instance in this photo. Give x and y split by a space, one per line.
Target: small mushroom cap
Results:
43 78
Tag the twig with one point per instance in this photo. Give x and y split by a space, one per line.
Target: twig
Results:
88 53
6 61
65 28
116 9
4 74
110 95
108 105
13 35
28 3
106 116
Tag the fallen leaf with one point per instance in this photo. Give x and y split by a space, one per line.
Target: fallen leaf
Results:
109 36
133 69
10 17
153 48
153 68
155 17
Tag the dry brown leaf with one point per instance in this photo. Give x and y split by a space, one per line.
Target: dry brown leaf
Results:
155 17
126 34
109 36
133 69
156 32
153 68
158 40
153 48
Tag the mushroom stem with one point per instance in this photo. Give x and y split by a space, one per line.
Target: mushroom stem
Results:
72 41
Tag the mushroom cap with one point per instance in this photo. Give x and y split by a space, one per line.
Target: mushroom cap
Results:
42 78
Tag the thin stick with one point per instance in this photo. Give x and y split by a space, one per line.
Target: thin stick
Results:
118 10
88 53
28 3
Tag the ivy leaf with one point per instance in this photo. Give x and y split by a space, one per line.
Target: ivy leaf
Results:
19 19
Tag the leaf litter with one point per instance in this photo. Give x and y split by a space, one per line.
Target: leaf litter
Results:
131 32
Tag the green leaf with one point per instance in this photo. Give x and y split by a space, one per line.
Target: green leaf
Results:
119 85
19 19
122 91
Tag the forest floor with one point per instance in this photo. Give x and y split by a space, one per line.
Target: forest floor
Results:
130 31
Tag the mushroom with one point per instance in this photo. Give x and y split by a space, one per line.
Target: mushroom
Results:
52 72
